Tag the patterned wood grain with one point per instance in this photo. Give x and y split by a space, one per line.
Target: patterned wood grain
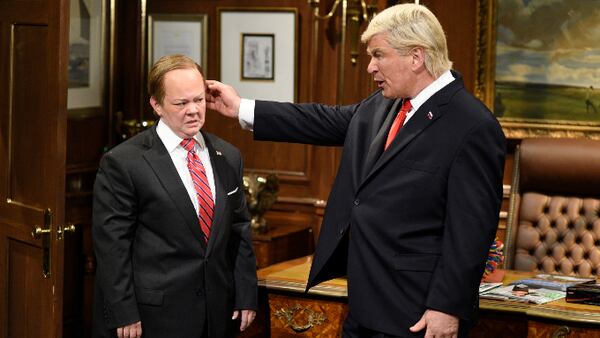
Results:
561 330
494 324
304 311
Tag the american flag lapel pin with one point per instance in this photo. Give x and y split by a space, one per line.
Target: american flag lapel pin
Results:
429 116
218 153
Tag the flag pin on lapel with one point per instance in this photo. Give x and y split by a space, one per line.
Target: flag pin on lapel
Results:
429 116
218 153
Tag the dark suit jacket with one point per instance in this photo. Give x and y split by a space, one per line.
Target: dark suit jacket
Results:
153 264
411 227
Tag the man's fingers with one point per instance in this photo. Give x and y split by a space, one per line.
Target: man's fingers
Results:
136 330
244 323
420 325
130 331
236 313
247 319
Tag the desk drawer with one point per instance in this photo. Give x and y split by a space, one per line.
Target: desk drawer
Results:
557 329
305 317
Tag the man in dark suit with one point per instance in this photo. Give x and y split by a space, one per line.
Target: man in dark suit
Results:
170 226
415 204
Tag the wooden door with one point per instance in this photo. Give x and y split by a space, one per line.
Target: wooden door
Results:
33 77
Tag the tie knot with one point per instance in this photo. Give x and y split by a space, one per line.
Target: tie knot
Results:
406 106
188 144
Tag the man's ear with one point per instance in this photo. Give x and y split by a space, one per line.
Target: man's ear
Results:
418 57
155 105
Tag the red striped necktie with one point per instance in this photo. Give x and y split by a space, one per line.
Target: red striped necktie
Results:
398 122
206 205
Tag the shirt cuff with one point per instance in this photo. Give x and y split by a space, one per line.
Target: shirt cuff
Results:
246 114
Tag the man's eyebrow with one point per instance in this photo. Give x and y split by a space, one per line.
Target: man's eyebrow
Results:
374 50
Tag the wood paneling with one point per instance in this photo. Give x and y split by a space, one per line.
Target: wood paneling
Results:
458 18
26 296
29 133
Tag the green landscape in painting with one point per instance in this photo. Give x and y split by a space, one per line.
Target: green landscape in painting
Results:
547 102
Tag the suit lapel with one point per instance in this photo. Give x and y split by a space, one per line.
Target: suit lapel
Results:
219 166
376 147
431 111
160 161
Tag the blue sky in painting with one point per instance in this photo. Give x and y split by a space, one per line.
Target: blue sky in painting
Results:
549 41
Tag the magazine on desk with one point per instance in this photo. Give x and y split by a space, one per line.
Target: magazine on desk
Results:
553 282
535 296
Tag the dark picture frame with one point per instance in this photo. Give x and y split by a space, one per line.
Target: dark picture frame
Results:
258 56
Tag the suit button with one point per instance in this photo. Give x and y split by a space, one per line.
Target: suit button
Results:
357 201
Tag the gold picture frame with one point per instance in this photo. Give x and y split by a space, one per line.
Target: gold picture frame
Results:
519 127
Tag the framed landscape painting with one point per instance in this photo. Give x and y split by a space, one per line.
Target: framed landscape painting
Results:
538 66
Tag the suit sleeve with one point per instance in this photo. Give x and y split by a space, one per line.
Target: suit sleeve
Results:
114 220
308 123
246 294
474 194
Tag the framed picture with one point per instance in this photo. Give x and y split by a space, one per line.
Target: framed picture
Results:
258 56
86 57
178 34
538 66
257 51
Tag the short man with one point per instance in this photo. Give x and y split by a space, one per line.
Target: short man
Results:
415 204
171 228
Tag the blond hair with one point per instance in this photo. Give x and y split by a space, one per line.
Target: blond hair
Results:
409 26
156 76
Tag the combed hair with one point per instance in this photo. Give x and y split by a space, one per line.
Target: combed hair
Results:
167 63
407 26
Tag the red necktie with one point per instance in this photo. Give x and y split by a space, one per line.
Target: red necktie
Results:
206 204
398 122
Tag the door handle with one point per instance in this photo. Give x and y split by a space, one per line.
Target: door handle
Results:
37 232
61 231
44 234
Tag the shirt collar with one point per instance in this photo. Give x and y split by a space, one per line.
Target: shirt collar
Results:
171 140
433 88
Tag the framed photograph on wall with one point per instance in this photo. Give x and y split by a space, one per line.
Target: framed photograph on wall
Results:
538 68
185 34
86 57
257 51
258 56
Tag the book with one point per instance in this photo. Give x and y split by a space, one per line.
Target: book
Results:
535 296
584 293
554 282
484 286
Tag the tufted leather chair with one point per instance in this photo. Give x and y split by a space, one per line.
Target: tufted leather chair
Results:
553 219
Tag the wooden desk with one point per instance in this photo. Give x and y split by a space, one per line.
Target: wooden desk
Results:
281 243
321 312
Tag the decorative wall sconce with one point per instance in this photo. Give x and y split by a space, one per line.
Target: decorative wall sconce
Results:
354 13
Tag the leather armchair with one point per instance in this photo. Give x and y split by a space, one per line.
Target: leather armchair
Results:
554 213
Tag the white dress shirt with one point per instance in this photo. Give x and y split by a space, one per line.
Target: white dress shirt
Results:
179 157
246 113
